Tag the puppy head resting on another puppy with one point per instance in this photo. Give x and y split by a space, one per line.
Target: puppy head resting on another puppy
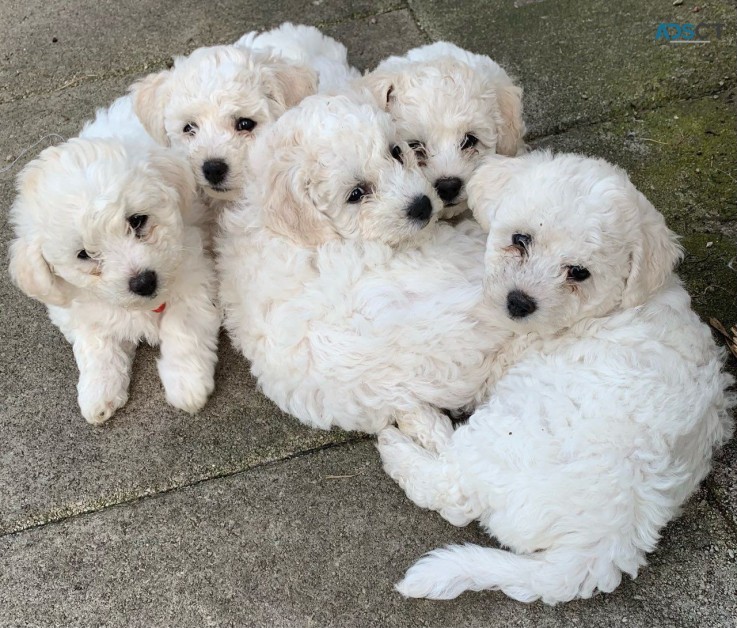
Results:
570 237
453 107
333 168
99 220
212 104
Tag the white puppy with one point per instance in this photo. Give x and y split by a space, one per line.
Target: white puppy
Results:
306 45
612 403
355 308
453 107
211 105
105 237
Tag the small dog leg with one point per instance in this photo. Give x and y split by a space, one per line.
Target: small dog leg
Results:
428 426
427 480
104 374
189 351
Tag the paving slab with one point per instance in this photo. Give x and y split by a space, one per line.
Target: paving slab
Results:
581 61
318 541
372 39
47 45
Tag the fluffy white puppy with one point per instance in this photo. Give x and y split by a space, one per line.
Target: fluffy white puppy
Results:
106 237
355 308
306 45
212 104
453 107
612 401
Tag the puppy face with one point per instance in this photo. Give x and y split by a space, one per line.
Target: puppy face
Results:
569 238
334 168
452 114
212 104
98 220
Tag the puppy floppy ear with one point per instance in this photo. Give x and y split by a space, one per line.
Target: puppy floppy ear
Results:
150 95
512 128
286 205
33 275
288 84
381 86
177 174
486 184
654 256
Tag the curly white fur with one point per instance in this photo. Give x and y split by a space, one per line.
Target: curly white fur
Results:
211 105
306 45
454 107
353 314
611 405
91 217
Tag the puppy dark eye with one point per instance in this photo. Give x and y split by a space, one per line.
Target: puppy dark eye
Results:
356 194
521 241
578 273
245 124
469 141
190 128
397 154
137 222
418 147
83 254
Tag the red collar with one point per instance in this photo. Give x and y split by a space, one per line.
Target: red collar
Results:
160 309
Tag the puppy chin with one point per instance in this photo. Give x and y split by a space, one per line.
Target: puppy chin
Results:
220 194
456 208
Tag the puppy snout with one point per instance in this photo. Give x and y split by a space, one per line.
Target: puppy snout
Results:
215 170
420 209
143 284
448 188
520 304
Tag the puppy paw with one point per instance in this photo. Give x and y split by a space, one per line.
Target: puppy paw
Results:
184 390
432 430
96 410
394 449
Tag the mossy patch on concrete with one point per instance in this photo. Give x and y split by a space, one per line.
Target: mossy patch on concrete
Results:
584 61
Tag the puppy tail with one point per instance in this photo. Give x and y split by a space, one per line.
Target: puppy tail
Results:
557 575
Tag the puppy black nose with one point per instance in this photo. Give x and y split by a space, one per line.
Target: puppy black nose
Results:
420 209
144 283
520 304
448 188
215 170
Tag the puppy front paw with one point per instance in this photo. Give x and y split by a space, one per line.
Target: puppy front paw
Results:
96 408
430 429
186 390
394 449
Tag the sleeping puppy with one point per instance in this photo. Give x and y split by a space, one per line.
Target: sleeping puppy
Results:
355 308
211 105
107 237
453 107
607 407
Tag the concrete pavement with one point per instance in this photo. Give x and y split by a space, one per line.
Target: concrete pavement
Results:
241 516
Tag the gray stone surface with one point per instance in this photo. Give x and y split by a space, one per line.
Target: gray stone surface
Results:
583 61
317 541
237 516
100 39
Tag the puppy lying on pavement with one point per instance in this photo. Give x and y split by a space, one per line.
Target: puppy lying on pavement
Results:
453 107
354 306
107 237
611 405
